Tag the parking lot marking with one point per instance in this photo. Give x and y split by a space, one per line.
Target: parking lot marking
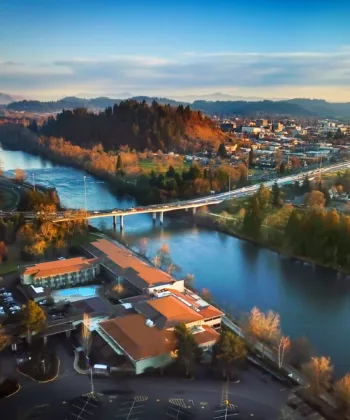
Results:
178 401
141 398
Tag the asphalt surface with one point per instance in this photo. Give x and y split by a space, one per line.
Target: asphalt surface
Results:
151 397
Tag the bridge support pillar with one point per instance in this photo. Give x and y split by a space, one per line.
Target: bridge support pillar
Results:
161 215
186 209
121 222
154 216
114 222
194 209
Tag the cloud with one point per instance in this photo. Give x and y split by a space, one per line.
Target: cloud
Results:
188 71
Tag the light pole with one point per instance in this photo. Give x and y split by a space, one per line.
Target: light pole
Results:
248 166
33 181
229 184
85 197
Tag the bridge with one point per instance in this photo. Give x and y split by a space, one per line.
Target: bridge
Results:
184 204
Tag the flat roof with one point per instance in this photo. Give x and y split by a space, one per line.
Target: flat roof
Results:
125 263
52 268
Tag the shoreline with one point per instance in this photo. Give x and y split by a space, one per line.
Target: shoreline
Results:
201 220
209 222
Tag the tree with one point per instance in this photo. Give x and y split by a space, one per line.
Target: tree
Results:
86 335
3 252
306 186
189 279
230 350
143 246
187 349
342 394
283 345
300 352
252 219
319 374
222 151
276 198
4 338
314 199
264 327
282 168
20 175
119 165
34 318
263 195
171 172
164 256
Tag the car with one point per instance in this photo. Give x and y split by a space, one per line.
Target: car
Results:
2 290
4 294
61 258
96 212
115 211
57 316
14 309
139 208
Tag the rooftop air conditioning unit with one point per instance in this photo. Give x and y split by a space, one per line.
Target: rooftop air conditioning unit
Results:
149 323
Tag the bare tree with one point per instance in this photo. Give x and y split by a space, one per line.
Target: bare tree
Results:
157 261
319 373
86 335
282 345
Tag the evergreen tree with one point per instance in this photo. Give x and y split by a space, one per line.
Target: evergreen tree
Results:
119 165
222 151
276 195
282 168
171 172
306 186
252 219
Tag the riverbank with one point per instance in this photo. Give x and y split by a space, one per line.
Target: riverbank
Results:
208 221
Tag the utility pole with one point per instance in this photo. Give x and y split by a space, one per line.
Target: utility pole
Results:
85 197
229 184
33 181
248 166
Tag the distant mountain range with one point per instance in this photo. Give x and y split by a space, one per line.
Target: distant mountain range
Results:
6 99
290 107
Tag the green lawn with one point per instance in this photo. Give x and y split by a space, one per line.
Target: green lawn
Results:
150 165
9 266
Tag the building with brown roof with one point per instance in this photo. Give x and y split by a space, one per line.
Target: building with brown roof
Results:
118 262
59 273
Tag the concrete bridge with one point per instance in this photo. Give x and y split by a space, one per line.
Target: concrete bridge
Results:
182 205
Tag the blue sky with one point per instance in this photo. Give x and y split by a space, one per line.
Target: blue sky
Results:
267 48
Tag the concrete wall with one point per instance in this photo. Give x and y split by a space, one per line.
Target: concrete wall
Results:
154 362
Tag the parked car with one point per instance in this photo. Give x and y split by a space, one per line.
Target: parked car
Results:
57 316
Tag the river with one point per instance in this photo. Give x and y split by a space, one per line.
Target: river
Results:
312 302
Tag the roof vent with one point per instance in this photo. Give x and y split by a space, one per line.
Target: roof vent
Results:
149 323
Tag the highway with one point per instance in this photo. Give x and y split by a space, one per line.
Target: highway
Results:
185 204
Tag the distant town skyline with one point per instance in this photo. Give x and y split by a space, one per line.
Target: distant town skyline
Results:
261 49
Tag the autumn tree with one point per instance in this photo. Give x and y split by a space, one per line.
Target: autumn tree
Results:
229 351
20 175
283 345
314 199
264 197
342 394
86 336
264 328
319 373
34 318
3 252
4 338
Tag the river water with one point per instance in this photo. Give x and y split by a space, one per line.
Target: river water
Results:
312 302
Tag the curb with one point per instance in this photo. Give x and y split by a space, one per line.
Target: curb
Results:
13 393
43 382
76 367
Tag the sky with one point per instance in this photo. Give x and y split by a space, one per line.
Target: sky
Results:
262 48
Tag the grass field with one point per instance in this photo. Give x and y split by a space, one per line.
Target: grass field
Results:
151 165
8 198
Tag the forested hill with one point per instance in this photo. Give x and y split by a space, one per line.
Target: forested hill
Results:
72 102
136 124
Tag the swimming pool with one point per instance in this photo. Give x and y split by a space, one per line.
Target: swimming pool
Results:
75 293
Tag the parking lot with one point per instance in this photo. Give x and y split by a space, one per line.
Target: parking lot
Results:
8 305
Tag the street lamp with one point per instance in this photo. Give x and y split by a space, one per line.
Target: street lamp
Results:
85 197
248 165
33 181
